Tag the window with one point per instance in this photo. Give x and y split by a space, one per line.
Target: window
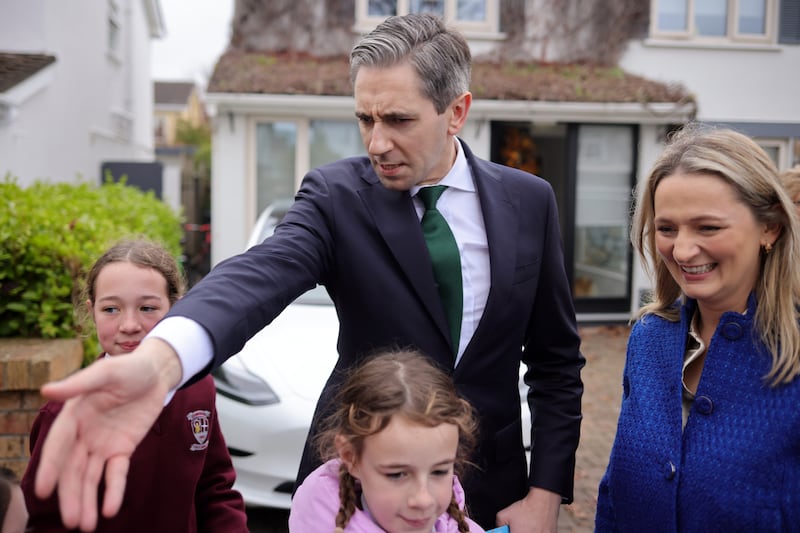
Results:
605 172
796 152
468 15
114 29
331 140
778 150
276 143
122 125
287 149
714 20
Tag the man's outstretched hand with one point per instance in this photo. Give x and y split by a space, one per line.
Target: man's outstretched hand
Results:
110 406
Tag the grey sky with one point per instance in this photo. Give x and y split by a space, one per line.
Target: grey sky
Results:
197 33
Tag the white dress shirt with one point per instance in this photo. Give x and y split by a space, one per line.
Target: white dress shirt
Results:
460 207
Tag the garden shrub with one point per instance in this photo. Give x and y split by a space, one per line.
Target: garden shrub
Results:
51 233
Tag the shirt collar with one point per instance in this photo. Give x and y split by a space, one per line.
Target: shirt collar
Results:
459 176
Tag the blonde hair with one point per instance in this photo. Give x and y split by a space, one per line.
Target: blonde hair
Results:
791 180
751 173
393 383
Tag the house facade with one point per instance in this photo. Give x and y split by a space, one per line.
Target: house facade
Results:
173 102
741 61
559 89
91 103
180 104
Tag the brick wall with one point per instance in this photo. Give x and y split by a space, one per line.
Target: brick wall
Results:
26 365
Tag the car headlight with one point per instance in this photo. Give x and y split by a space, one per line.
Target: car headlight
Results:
236 382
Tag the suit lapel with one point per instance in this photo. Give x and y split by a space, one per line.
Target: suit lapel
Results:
500 210
396 220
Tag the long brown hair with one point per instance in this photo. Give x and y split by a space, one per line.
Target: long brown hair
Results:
140 252
143 253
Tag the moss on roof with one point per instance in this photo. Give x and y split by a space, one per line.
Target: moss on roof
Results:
275 73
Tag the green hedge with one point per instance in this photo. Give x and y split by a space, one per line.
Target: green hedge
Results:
51 233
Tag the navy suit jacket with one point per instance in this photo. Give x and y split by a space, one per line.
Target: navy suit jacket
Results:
365 244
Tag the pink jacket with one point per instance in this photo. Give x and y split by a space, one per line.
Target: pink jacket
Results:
316 503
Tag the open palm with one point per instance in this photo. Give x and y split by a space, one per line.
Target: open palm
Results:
109 408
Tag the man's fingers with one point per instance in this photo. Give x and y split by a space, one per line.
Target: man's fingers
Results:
116 475
89 379
70 485
108 408
90 482
56 454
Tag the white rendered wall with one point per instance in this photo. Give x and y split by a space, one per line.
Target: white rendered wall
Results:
69 127
232 186
757 84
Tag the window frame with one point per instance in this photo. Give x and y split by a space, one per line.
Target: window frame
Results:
489 26
303 126
114 30
783 148
732 34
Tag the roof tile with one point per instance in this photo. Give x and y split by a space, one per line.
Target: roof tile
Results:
16 68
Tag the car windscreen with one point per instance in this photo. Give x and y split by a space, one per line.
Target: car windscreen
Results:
316 296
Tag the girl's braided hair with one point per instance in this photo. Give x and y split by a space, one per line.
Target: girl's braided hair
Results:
403 382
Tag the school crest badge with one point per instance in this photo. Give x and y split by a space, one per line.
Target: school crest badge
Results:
198 421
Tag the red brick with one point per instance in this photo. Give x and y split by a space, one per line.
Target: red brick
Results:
11 447
14 423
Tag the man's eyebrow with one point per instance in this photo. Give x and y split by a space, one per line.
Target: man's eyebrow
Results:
391 115
394 115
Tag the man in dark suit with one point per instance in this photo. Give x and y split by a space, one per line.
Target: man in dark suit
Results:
355 228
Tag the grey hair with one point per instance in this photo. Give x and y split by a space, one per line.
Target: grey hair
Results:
440 56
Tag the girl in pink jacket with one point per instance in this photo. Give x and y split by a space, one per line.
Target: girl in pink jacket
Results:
393 446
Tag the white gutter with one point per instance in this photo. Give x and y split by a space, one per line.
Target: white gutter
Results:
604 112
342 106
280 104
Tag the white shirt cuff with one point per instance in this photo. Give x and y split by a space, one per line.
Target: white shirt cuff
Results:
190 341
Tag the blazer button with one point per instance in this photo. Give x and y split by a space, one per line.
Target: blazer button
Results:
704 405
732 330
669 470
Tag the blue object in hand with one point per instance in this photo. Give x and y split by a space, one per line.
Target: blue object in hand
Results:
501 529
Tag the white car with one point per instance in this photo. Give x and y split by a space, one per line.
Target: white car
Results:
266 394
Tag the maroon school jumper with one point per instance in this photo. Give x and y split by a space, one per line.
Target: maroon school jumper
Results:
180 475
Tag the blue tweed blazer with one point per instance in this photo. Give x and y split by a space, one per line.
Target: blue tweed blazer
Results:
736 465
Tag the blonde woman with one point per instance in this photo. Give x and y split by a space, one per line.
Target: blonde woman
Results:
708 437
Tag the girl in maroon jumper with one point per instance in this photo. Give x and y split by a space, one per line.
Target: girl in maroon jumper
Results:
180 476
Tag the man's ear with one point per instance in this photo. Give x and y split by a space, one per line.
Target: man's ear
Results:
459 111
346 453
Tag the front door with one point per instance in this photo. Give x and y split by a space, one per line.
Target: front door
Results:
591 168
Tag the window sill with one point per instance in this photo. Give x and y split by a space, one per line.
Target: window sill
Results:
114 58
711 45
469 33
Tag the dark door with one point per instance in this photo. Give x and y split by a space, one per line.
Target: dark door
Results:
592 170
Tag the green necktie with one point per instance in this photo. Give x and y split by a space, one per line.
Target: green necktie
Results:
445 258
